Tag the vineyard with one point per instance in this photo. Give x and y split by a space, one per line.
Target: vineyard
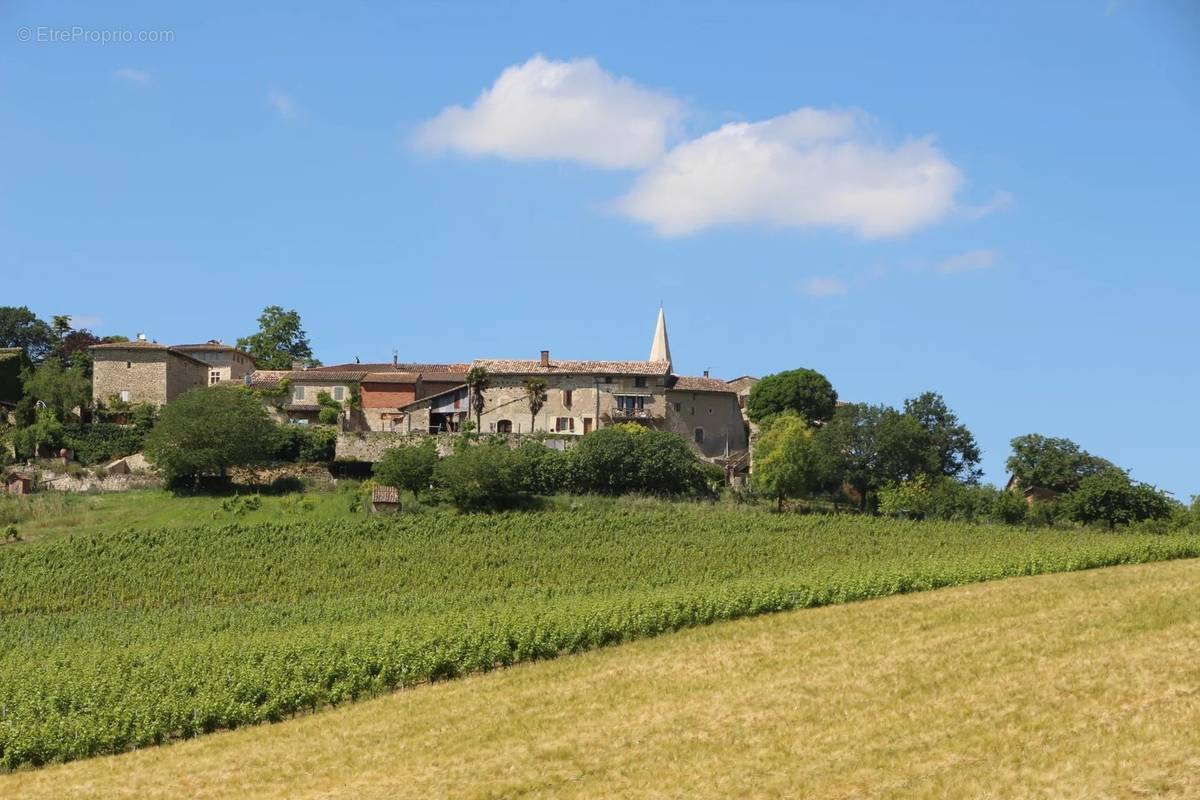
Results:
111 640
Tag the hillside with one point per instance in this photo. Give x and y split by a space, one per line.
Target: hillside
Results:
1079 685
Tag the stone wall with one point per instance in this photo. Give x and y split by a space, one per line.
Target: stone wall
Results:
142 373
371 445
590 399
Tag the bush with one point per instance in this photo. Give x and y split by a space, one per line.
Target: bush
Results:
550 471
409 468
616 460
306 443
485 477
1009 508
102 442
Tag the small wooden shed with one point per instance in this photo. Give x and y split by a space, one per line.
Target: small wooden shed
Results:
16 483
385 498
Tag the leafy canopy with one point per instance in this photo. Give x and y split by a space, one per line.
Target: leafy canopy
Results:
1110 497
804 391
786 462
1052 463
280 340
60 388
209 431
20 327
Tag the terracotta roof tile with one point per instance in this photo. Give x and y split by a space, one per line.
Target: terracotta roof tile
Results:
685 383
534 367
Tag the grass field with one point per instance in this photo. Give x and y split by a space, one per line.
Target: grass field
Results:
125 637
1083 685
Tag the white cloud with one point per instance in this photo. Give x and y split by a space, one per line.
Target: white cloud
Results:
968 261
137 76
562 110
282 103
809 168
1000 201
86 321
823 286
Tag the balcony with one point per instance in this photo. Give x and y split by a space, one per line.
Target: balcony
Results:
645 414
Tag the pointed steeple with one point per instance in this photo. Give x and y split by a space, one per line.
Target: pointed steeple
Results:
660 349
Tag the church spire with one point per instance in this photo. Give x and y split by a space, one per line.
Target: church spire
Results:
660 349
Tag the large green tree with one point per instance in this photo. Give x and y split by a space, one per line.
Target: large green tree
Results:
1112 498
867 447
804 391
786 461
1052 463
952 443
208 431
20 327
59 387
280 340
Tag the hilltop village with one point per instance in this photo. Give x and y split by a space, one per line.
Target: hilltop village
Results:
415 398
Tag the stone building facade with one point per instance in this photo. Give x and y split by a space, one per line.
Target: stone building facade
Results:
143 372
225 363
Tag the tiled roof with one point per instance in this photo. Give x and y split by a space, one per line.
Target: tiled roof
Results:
139 345
391 377
442 377
533 367
267 377
385 494
684 383
388 366
302 407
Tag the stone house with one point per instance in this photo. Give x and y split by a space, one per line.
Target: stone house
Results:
225 363
143 372
582 396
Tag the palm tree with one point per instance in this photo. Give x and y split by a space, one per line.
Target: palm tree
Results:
478 382
535 392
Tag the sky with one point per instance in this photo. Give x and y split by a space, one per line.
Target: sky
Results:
998 202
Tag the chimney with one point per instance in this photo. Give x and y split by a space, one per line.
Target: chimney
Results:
545 358
141 337
706 373
395 358
298 366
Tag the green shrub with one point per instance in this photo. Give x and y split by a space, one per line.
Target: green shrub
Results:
550 471
616 460
102 442
1110 497
306 443
484 477
409 468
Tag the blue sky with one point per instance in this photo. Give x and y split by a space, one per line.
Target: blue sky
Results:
998 202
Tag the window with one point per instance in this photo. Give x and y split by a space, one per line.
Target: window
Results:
699 435
678 407
564 424
639 382
213 376
124 395
566 398
339 393
608 379
297 394
631 402
128 365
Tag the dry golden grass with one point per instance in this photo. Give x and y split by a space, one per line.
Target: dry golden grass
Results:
1075 685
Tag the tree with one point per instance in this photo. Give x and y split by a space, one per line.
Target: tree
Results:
208 431
536 394
20 327
280 341
1052 463
786 462
804 391
60 388
866 447
623 459
953 445
1110 497
478 381
408 467
60 324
